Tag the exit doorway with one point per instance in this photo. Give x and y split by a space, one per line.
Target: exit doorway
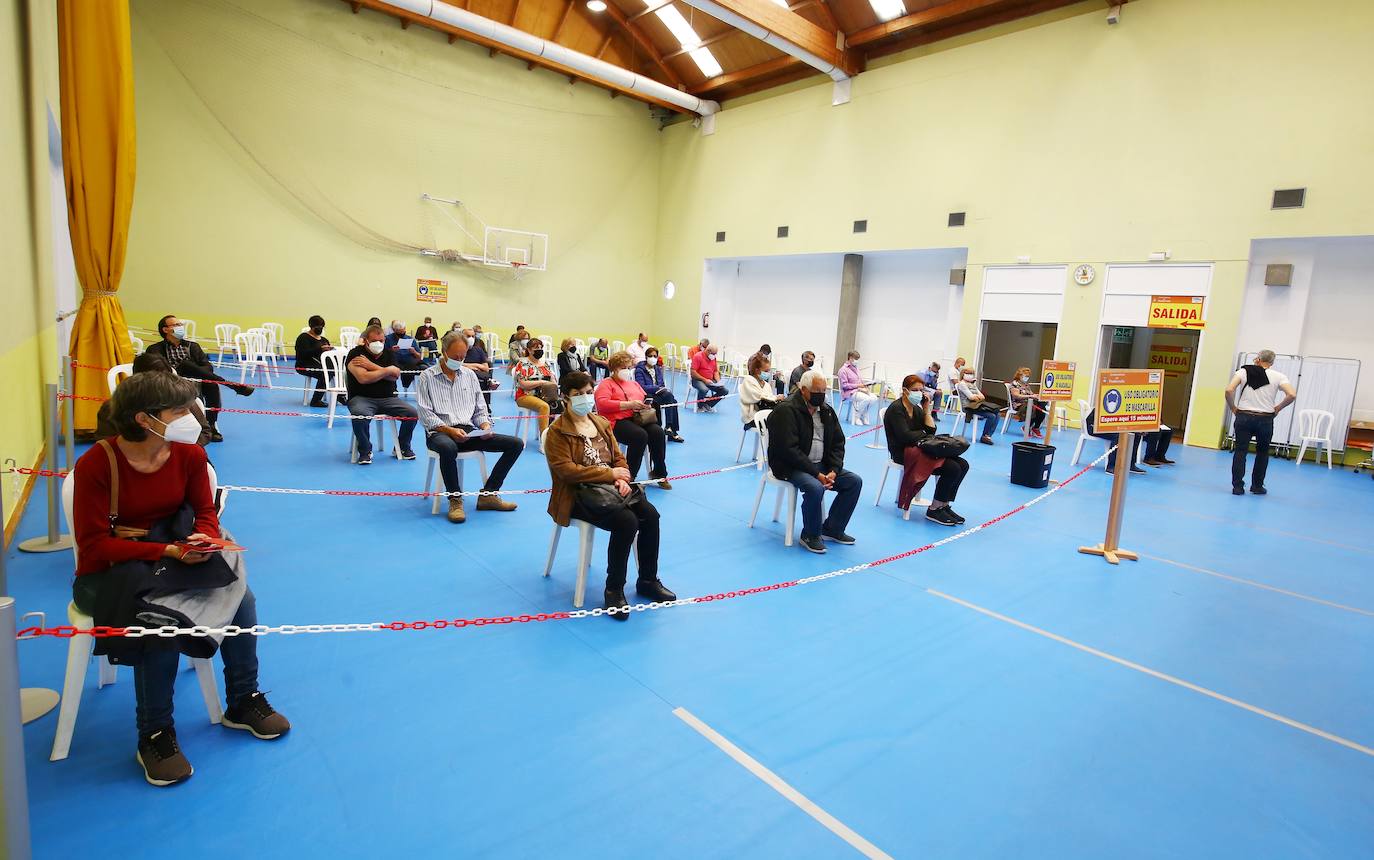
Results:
1005 346
1172 351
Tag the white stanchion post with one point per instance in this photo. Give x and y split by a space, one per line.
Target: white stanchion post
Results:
14 798
53 540
68 426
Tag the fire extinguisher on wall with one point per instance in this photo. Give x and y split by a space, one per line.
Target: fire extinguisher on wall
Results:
706 320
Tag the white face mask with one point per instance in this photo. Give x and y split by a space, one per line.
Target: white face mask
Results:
184 429
1025 379
625 374
968 377
582 404
651 360
453 364
375 347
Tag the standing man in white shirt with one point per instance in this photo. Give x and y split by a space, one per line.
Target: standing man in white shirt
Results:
455 418
638 348
1253 398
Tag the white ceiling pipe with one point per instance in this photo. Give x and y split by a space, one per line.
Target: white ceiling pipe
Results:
519 40
715 10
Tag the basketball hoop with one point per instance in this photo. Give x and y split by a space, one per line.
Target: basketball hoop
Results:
517 266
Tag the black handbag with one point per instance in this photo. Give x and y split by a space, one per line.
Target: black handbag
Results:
943 446
602 500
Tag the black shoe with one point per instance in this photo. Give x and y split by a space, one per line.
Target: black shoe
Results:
1259 491
677 437
160 756
1237 489
253 714
365 459
1150 461
615 599
1137 469
215 436
242 390
985 440
839 538
957 519
318 402
813 543
407 455
654 590
1166 461
941 516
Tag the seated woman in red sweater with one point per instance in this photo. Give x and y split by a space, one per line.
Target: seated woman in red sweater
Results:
619 399
160 469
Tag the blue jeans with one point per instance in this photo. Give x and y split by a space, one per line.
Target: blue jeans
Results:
395 406
706 390
448 448
155 677
1260 428
847 488
989 420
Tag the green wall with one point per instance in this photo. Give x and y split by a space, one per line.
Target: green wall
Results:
284 146
1064 139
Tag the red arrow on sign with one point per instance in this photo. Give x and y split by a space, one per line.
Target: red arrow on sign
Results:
1191 324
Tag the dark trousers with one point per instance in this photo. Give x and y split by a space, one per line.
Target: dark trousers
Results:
637 437
847 488
1038 409
639 519
155 677
449 448
669 418
210 393
318 376
1260 429
949 475
1157 443
394 406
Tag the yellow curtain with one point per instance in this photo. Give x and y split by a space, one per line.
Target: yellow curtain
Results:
97 71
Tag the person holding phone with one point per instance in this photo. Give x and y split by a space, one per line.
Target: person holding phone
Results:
623 403
908 422
125 488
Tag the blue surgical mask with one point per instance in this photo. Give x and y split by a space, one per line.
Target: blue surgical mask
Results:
179 332
915 397
582 404
452 364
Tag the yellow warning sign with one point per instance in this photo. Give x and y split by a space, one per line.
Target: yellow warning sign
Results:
1056 380
1177 312
431 291
1128 401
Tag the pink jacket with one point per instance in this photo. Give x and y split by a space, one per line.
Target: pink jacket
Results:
609 394
850 381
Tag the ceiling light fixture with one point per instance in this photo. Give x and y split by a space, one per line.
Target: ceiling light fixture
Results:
887 10
596 5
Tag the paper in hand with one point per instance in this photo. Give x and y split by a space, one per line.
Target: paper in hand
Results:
405 343
209 544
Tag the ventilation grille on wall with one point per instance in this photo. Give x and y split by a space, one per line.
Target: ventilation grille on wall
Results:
1278 275
861 226
782 232
1289 198
956 277
720 235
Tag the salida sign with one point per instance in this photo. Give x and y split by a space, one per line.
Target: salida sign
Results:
1177 312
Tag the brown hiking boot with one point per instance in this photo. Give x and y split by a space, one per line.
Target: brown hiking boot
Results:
160 756
455 511
494 503
253 714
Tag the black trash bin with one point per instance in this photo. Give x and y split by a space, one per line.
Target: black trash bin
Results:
1031 463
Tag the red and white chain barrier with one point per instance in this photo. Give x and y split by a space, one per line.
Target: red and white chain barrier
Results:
169 632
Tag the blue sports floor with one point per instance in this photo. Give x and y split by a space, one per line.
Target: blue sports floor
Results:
1002 696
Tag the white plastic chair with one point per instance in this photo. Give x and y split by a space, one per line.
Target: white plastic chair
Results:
617 346
381 439
785 488
1084 437
190 329
224 341
79 657
744 431
670 356
434 480
137 343
1012 410
118 374
348 337
276 333
888 467
251 347
586 540
332 362
266 351
1315 427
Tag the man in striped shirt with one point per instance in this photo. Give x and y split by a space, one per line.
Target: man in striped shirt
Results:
456 421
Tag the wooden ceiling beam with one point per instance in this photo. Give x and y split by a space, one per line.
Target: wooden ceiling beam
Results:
745 75
705 43
789 27
496 47
969 25
605 43
645 43
562 20
924 18
827 13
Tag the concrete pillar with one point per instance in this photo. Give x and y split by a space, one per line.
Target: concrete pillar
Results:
847 325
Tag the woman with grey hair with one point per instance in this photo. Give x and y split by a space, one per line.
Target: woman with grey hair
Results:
144 516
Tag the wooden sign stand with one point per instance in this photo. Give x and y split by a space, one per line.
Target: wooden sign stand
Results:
1110 548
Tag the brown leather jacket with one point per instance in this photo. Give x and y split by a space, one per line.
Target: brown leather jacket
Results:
566 455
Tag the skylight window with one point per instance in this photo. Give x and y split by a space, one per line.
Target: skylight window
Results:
688 38
887 9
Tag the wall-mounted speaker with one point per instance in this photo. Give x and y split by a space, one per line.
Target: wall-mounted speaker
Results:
956 277
720 236
782 232
956 219
1289 198
861 226
1278 275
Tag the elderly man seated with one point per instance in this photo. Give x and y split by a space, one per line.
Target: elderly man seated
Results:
455 419
806 448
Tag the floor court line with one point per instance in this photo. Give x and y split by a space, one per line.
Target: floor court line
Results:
1253 584
1145 670
775 782
1252 527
